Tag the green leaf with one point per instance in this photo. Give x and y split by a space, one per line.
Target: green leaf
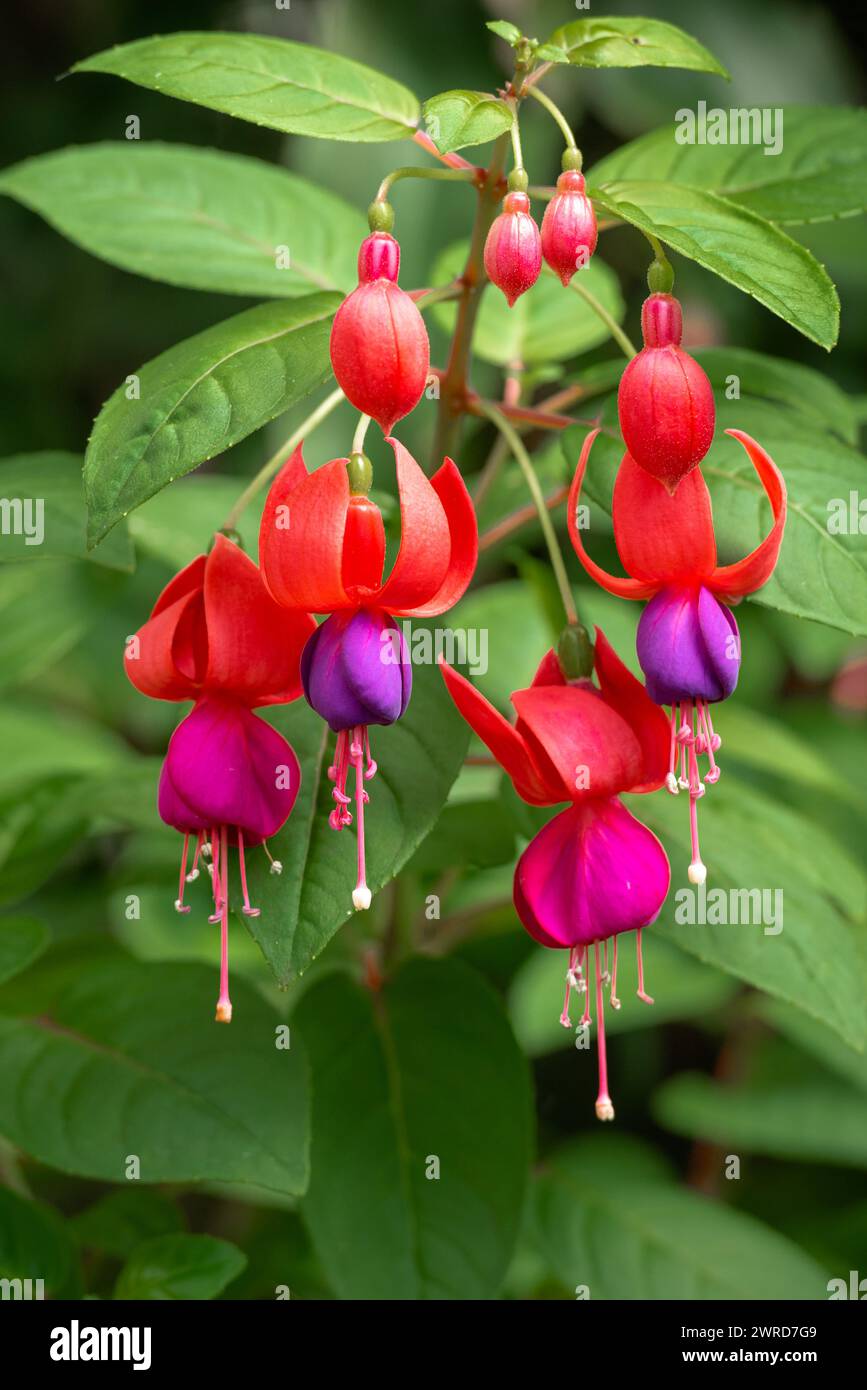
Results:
812 397
456 119
815 961
22 941
627 1236
418 759
34 1244
41 742
820 172
425 1070
44 499
547 324
193 217
477 834
742 248
822 1121
631 42
681 987
179 1267
202 396
128 1061
118 1223
45 611
271 82
820 574
504 30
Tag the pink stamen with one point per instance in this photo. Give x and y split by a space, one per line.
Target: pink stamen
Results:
604 1108
215 876
247 910
179 901
194 871
713 742
338 773
571 983
642 994
614 1001
276 866
370 769
586 1020
224 1003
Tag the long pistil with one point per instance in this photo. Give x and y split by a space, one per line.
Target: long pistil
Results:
224 1003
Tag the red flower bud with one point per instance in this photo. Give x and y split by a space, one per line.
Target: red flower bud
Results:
569 227
665 400
513 250
379 344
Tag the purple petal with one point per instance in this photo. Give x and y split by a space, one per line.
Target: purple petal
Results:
688 647
356 669
593 871
226 766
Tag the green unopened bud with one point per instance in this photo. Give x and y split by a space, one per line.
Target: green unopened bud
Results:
360 473
575 653
380 216
518 181
660 277
572 159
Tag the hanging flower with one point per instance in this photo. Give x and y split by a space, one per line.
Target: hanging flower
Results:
379 345
688 642
216 637
593 871
322 549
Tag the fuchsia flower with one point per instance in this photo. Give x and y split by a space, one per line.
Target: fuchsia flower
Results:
322 548
569 232
513 249
217 637
593 871
379 345
688 642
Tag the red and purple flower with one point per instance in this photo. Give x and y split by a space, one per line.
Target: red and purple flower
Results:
593 871
322 549
688 642
217 637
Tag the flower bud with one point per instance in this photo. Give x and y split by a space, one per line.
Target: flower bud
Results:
569 227
379 344
665 400
513 250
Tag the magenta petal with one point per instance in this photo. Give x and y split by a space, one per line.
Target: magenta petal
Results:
174 810
226 766
591 872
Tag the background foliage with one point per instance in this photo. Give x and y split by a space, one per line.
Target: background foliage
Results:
304 1168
